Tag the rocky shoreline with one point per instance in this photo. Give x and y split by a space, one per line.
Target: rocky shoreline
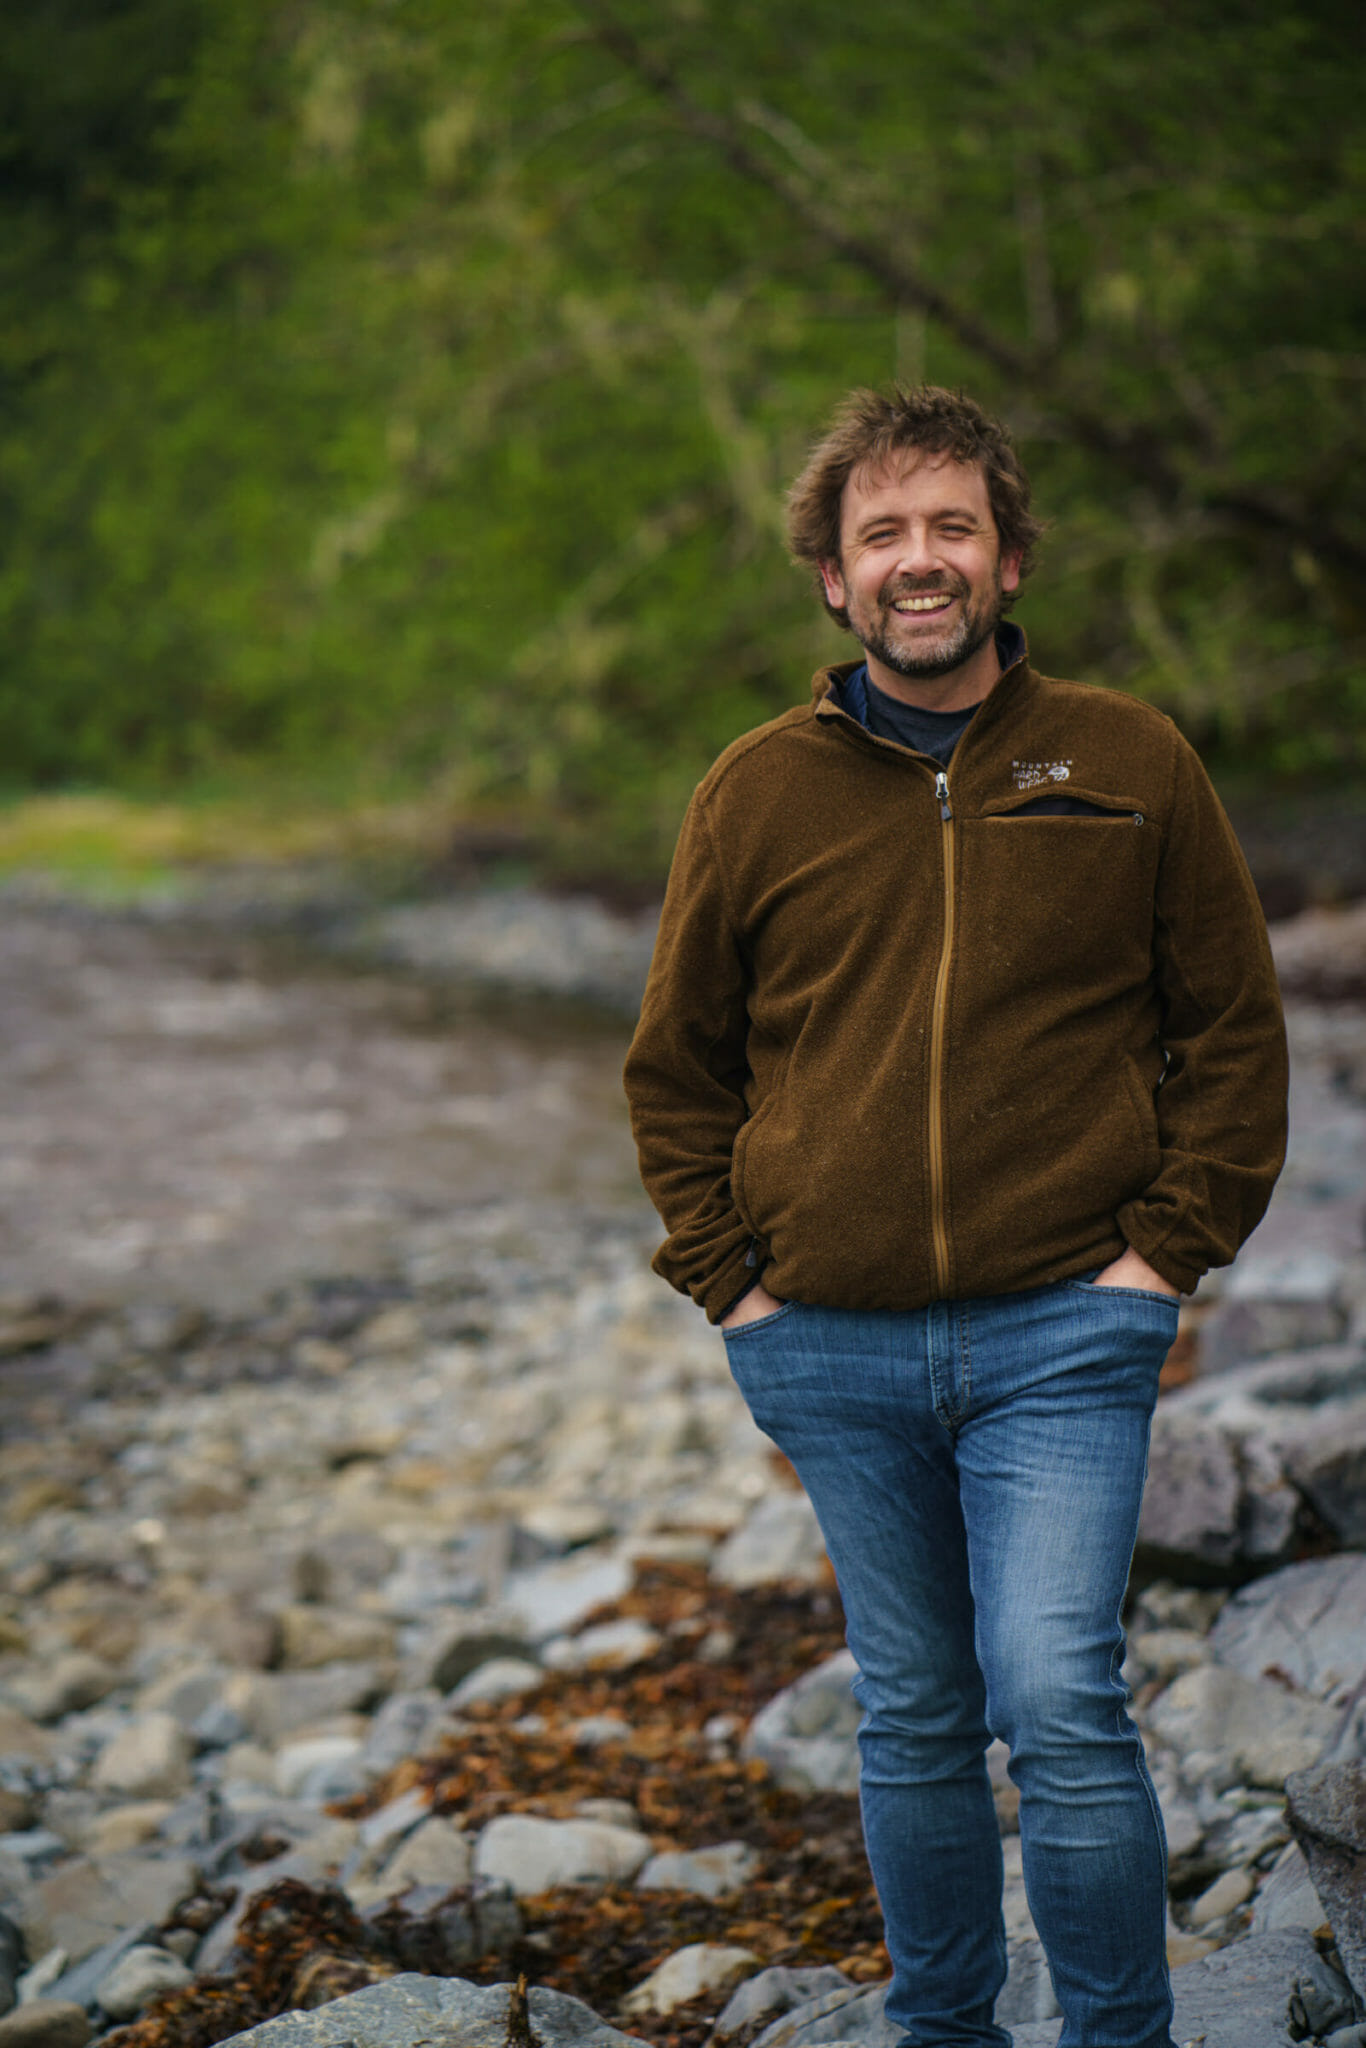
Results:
413 1630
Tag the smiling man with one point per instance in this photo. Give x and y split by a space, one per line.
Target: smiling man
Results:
961 1059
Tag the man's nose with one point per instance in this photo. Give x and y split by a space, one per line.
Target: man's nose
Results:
918 556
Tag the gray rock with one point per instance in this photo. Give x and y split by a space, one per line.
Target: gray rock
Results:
150 1759
78 1986
1328 1464
780 1540
533 1855
1327 1809
1287 1897
185 1694
72 1682
275 1703
776 1990
435 1853
84 1905
1321 2000
139 1976
1237 1997
1027 1994
849 2015
709 1873
1241 1330
411 2008
1260 1731
1307 1620
501 1678
1193 1498
399 1728
806 1733
46 2023
551 1598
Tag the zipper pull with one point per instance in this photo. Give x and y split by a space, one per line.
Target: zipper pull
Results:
941 790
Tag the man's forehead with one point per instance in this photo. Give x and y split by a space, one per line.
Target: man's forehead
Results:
906 465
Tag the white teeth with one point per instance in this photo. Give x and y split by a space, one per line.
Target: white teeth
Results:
921 604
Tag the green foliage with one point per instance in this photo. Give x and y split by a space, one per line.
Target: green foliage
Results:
410 387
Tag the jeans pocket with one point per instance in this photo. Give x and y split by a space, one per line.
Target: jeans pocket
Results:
759 1323
1085 1283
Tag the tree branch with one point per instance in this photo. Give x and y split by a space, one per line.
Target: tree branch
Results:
1137 451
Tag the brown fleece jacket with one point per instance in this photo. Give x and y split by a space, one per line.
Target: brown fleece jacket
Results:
902 1044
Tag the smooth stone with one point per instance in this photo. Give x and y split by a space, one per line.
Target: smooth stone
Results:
313 1637
139 1976
411 2008
1231 1889
609 1646
84 1905
185 1693
501 1678
127 1827
534 1855
690 1972
1307 1620
274 1704
618 1813
435 1853
550 1599
776 1990
1027 1994
1287 1897
149 1759
400 1728
396 1817
709 1873
779 1541
71 1683
46 2023
77 1985
297 1762
1327 1809
1262 1731
21 1739
806 1734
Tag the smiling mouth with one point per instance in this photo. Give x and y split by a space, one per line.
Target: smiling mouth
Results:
935 601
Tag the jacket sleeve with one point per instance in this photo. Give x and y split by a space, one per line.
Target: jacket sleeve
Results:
1221 1103
685 1078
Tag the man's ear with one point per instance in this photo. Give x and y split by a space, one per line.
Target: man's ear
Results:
1010 570
832 576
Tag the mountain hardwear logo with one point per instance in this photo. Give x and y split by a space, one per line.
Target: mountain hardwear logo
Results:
1030 774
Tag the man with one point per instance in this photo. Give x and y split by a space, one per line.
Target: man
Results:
961 1058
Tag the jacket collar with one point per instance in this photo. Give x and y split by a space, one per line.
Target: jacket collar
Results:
844 687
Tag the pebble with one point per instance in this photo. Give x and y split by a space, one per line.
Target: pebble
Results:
139 1976
46 2023
710 1873
149 1759
1231 1889
534 1855
689 1972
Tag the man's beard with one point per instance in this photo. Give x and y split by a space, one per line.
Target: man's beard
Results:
976 624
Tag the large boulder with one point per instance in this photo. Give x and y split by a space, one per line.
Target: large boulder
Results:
1306 1622
1257 1730
1327 1809
410 2008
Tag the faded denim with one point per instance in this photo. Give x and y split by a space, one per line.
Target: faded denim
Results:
977 1468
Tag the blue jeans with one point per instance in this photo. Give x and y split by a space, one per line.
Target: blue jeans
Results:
977 1468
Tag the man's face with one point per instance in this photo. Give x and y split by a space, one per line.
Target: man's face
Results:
920 572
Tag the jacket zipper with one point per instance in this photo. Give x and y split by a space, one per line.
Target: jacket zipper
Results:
939 1235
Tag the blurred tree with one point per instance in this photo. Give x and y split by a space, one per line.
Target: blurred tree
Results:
417 387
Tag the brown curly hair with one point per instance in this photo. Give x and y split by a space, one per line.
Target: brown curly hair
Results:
871 426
